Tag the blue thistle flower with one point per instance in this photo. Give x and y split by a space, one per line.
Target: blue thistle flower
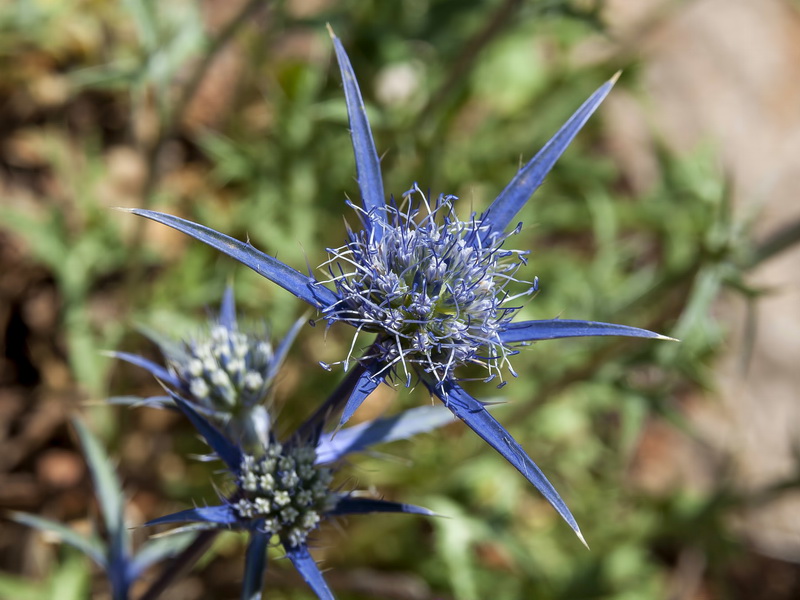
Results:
433 288
436 298
283 489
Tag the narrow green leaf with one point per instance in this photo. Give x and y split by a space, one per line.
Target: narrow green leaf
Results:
71 581
91 547
107 487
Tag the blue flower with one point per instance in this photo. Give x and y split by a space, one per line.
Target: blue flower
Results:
434 288
285 490
226 373
281 488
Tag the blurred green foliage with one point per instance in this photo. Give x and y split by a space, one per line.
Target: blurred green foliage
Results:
458 93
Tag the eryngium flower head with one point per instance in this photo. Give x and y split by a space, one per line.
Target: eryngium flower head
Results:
436 298
225 370
285 490
432 286
227 373
385 280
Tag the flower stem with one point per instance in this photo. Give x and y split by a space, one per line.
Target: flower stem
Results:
181 564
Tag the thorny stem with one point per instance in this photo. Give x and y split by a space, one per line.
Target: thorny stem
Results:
181 564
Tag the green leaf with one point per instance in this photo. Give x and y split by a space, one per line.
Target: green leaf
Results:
107 487
92 547
13 588
71 580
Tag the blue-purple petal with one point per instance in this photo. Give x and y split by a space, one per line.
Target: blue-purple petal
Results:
223 515
304 287
308 569
350 505
228 452
506 206
475 415
368 166
334 446
551 329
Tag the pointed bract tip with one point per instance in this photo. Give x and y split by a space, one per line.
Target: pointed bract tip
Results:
666 338
615 77
330 31
123 209
581 538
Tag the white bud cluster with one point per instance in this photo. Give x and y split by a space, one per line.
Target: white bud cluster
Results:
227 371
285 489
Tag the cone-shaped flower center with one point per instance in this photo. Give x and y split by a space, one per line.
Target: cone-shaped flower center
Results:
286 490
227 371
432 289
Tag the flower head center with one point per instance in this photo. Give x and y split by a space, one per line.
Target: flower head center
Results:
284 489
432 288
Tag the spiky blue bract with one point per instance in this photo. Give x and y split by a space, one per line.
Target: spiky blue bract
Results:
351 505
334 446
255 565
307 567
550 329
358 382
226 450
227 310
368 166
505 207
474 414
223 515
304 287
365 386
154 369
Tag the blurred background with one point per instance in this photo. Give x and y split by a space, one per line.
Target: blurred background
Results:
674 210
